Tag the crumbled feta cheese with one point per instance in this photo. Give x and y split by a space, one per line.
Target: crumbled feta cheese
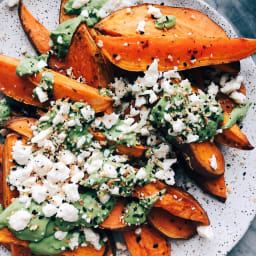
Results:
59 172
213 162
238 97
41 164
213 89
81 142
77 4
49 210
59 40
105 198
39 193
137 231
161 151
192 138
109 171
71 191
93 238
155 12
41 95
109 120
128 10
141 27
232 85
68 212
67 157
60 235
74 241
141 174
42 136
12 3
205 232
19 220
41 64
21 153
85 13
177 126
88 113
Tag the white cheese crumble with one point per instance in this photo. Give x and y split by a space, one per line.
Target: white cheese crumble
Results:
213 89
137 231
92 238
109 120
41 95
77 4
41 64
205 232
141 174
109 171
232 85
100 43
74 241
155 12
71 191
141 27
49 210
19 220
59 172
67 212
39 193
60 235
238 97
21 153
213 162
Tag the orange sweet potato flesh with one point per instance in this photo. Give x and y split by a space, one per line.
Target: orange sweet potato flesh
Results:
18 250
22 125
84 56
85 251
197 155
114 220
63 16
8 237
120 23
176 201
148 243
170 225
37 33
233 137
21 89
140 51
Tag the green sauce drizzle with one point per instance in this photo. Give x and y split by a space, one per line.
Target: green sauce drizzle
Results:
165 22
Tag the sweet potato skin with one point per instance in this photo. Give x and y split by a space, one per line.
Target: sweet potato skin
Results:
18 250
148 243
198 155
21 125
37 33
140 51
176 201
114 220
170 225
121 23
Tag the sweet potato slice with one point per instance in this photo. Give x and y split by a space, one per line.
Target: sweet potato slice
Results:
176 201
121 23
21 89
139 51
63 16
85 251
21 125
170 225
114 220
37 33
8 237
198 156
148 243
233 137
18 250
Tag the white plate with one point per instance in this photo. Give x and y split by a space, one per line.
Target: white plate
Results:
230 220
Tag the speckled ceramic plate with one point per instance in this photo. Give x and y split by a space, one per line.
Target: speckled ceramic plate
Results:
230 220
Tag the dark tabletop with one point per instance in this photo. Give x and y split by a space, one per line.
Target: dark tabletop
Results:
242 14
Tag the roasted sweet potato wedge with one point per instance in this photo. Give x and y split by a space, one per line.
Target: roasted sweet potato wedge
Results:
21 89
85 251
37 33
21 125
148 243
121 23
176 201
63 16
198 156
114 220
170 225
83 57
139 51
18 250
8 237
233 137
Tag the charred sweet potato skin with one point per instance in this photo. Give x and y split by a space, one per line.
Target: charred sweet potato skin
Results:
148 243
37 33
176 201
183 50
198 156
170 225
